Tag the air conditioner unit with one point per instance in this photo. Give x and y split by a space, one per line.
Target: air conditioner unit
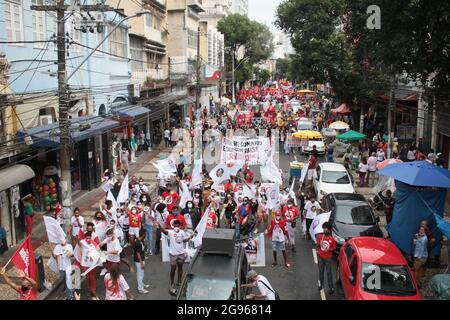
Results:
45 120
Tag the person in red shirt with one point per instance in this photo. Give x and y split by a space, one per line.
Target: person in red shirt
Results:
248 175
27 289
312 165
175 215
171 199
135 219
279 234
291 213
325 248
212 220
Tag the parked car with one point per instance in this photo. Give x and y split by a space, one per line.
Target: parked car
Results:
318 142
331 178
305 125
372 268
351 216
217 270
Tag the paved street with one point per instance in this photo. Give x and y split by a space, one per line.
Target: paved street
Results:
300 282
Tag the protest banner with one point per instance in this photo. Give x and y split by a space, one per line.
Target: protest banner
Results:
244 150
255 250
296 142
55 233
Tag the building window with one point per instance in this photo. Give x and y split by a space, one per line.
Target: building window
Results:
136 51
149 20
157 23
192 39
13 20
2 127
38 24
118 42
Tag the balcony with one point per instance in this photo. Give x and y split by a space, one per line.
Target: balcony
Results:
213 13
149 75
195 5
159 5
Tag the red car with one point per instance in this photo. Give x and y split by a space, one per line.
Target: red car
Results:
372 268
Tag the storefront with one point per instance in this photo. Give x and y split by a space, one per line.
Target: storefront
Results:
15 182
88 154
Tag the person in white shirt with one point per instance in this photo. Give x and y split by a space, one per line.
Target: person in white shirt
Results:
362 168
116 287
113 249
140 188
258 281
62 253
149 218
76 224
167 137
380 155
311 208
177 253
411 156
372 168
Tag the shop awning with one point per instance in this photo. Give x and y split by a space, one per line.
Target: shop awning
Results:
15 175
184 101
81 128
130 111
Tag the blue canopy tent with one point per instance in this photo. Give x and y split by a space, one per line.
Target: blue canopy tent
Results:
412 205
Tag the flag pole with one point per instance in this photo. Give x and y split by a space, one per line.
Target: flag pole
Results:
10 259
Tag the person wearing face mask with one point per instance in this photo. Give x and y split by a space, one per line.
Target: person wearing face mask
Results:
161 215
145 199
291 214
149 218
139 261
100 225
76 224
177 252
187 214
133 201
230 210
311 207
184 190
88 246
62 253
124 224
27 289
140 188
198 200
325 247
113 249
278 233
108 211
175 216
135 219
171 198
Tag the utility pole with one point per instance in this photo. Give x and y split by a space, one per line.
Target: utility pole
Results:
197 89
233 88
63 94
389 128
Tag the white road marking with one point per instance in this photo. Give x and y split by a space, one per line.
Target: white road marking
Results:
322 292
315 256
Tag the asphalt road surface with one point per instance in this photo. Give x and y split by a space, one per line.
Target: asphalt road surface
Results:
299 282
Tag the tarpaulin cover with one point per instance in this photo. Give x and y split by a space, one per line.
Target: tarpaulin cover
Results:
410 210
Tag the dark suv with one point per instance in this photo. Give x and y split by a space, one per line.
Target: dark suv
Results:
351 216
216 271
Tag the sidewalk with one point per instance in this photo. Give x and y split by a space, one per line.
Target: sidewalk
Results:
88 203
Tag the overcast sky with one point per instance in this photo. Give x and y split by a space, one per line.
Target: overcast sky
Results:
264 11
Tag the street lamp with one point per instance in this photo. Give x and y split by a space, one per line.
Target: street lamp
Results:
137 14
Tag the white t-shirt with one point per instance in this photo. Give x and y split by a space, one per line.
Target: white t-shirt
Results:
380 155
167 133
372 163
363 167
176 244
74 224
308 206
113 245
411 155
62 253
277 234
113 293
262 284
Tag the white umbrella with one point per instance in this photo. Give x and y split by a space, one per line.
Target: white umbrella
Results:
339 125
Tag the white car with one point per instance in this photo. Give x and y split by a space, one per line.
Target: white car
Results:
295 105
331 178
305 125
320 146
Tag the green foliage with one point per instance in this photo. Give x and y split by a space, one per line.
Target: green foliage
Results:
262 75
255 39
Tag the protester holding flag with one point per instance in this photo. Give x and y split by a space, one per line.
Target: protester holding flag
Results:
27 288
88 248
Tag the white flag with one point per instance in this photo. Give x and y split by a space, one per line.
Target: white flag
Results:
273 195
123 193
54 231
270 172
197 177
166 167
185 194
220 173
201 228
316 225
115 204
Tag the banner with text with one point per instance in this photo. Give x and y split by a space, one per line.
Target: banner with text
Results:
250 151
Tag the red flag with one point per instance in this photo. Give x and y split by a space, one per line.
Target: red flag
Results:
23 259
